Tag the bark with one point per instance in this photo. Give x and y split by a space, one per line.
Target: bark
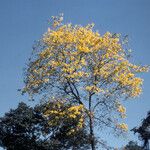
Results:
92 140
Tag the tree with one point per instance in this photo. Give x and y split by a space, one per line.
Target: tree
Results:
132 146
79 65
21 129
28 128
144 131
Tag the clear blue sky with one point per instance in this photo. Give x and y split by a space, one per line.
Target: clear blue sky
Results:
24 21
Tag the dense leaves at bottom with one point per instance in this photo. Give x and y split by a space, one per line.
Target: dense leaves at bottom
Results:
26 128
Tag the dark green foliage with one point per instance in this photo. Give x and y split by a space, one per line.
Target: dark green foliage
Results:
132 146
144 131
25 128
21 128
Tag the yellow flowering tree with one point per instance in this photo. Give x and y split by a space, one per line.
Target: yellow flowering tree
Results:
76 63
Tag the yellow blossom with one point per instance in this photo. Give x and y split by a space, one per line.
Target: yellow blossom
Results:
123 126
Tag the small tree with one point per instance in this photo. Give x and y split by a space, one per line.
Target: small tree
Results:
79 65
144 131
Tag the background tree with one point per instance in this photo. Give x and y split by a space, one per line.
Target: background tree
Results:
132 146
79 65
20 128
144 131
27 128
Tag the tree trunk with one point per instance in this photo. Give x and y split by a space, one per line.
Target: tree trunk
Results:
92 140
92 134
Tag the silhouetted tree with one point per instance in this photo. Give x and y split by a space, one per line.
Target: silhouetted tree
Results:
132 146
20 128
144 131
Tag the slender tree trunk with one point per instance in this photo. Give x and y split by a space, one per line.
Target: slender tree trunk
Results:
146 144
92 134
92 140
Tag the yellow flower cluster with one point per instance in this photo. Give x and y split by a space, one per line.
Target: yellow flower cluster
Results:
123 126
72 51
59 114
93 88
122 110
83 39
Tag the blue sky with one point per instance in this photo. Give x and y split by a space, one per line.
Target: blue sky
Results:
24 21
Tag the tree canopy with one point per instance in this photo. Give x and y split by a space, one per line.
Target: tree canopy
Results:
77 64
